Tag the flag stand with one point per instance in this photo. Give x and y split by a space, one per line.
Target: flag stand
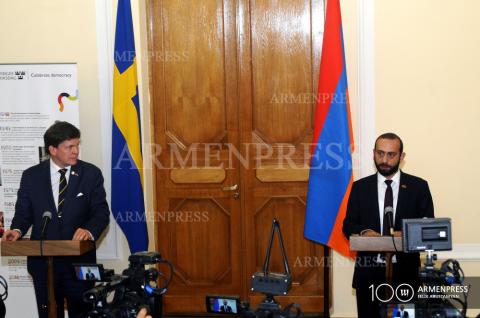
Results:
326 282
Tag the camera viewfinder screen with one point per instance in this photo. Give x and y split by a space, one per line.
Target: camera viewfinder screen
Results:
223 305
88 272
401 310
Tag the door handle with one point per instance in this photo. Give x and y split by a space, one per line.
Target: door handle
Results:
230 188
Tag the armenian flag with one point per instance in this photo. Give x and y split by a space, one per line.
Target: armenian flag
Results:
331 176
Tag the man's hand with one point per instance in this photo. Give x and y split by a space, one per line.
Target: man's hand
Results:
370 233
10 235
82 235
143 314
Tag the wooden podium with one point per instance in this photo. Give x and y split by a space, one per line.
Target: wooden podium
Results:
375 244
378 244
49 249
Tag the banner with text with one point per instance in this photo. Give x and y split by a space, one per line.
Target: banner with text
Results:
32 97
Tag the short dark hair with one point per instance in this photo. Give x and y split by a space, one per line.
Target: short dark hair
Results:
391 136
58 133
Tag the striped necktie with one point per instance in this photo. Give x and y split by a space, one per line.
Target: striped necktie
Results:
62 187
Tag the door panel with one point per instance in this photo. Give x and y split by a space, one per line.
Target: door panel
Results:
278 109
192 45
195 87
281 70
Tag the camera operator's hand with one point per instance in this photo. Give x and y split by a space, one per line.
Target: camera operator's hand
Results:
143 314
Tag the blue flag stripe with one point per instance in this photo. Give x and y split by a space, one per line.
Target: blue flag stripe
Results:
331 168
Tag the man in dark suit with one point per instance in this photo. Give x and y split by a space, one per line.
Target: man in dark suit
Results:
402 313
225 307
89 275
73 191
410 198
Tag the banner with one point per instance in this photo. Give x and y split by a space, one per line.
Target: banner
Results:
32 97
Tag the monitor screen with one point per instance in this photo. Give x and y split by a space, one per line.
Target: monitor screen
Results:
401 310
223 304
427 234
91 272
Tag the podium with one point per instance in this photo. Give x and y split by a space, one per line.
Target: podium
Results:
375 244
48 249
378 244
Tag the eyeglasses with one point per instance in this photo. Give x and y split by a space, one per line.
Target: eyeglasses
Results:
390 154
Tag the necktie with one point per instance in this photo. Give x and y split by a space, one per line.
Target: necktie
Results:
387 202
62 187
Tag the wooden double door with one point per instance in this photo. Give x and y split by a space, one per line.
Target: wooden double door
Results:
233 87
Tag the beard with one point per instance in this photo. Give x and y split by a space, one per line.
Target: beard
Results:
386 170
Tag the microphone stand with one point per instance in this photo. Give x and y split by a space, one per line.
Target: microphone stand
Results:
41 246
51 305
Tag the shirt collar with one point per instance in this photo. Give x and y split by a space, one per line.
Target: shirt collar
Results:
54 167
395 179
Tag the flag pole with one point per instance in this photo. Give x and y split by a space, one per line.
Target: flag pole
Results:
326 282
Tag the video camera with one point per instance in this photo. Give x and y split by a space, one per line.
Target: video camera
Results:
431 235
268 283
136 288
232 305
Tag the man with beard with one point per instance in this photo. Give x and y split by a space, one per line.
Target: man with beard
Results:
409 196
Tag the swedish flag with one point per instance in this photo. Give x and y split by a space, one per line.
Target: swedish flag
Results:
127 164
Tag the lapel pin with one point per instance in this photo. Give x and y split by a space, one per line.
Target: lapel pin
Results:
404 186
74 173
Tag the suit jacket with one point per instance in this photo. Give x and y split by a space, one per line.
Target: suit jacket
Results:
85 206
90 276
226 308
414 201
405 314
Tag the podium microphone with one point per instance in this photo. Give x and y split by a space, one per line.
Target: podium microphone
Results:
388 217
46 217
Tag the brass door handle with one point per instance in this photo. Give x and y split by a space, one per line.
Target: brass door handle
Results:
230 188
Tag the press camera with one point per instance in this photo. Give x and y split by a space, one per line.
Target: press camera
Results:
431 235
266 282
136 288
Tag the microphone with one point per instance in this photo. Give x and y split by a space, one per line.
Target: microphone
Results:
46 217
388 217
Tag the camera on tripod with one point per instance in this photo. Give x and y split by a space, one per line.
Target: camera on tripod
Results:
269 283
136 288
442 292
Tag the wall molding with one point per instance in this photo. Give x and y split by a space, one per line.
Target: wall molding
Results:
104 28
366 86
